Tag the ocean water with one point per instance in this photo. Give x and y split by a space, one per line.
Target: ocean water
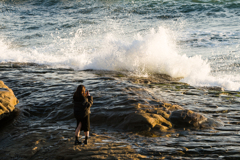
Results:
49 47
198 40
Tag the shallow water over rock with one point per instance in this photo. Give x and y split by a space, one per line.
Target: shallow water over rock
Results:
131 109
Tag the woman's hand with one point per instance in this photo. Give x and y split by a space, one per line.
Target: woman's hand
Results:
87 93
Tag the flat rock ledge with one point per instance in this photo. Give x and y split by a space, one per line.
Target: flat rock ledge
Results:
8 101
59 145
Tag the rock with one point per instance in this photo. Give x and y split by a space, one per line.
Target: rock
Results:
214 88
7 101
186 118
163 113
210 123
161 120
171 107
147 117
213 106
143 122
51 144
160 127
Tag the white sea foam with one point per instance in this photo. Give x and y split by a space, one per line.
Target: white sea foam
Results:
50 55
155 52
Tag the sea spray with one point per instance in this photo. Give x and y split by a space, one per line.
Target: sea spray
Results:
154 52
51 55
157 52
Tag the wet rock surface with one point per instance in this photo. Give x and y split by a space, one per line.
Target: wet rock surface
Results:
46 143
7 103
187 117
46 120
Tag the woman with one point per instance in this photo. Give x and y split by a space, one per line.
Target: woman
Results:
82 103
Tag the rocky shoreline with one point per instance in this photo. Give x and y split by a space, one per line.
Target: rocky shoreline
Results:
131 117
59 144
142 119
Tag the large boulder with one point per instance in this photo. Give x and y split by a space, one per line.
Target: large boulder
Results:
7 101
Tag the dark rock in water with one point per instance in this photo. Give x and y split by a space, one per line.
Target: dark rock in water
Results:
213 106
210 123
155 79
137 122
187 118
7 102
214 88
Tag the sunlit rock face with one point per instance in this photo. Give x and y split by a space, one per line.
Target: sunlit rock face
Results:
156 118
7 101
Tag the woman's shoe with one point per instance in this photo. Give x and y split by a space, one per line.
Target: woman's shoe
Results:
85 141
77 142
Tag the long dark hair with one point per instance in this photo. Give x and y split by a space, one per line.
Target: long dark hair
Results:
80 93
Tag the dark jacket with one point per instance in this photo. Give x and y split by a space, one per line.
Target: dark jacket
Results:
82 106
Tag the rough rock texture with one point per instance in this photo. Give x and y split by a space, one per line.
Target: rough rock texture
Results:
142 117
59 144
7 101
187 117
143 121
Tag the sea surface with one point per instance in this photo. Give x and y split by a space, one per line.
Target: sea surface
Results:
194 39
49 47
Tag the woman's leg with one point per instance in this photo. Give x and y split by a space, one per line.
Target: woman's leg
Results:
77 132
86 136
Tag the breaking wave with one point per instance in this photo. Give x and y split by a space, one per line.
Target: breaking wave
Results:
154 52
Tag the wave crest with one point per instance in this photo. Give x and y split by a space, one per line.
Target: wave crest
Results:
156 52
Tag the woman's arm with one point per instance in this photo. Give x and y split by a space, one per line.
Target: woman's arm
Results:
90 102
